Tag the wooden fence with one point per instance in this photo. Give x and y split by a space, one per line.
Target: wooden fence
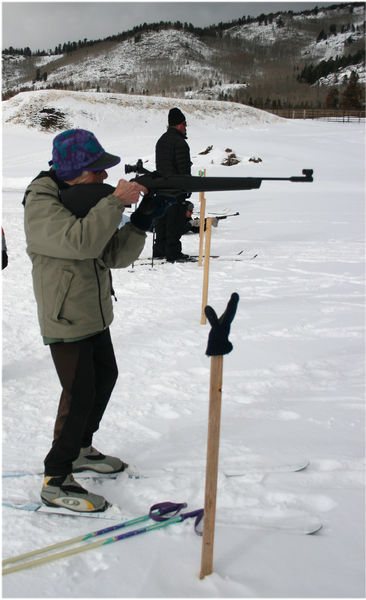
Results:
345 116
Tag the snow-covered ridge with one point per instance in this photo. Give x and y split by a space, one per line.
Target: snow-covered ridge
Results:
82 109
268 34
133 64
136 62
333 46
176 62
343 75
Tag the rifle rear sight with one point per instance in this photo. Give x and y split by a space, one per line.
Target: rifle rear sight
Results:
137 168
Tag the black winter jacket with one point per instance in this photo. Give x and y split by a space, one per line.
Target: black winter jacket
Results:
172 155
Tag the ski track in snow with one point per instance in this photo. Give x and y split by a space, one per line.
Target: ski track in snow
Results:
293 386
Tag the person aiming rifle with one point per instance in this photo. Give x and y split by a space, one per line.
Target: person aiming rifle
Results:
193 224
71 221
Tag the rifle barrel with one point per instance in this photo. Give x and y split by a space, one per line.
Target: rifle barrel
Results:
188 183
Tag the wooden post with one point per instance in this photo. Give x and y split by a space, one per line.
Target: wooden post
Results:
218 345
213 443
202 226
206 268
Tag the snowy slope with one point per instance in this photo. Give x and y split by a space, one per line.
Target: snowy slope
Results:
180 61
268 34
137 63
156 55
299 29
293 385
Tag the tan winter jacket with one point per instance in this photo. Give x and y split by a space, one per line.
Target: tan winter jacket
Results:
72 259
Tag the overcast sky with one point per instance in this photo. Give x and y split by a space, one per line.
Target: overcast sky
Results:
44 25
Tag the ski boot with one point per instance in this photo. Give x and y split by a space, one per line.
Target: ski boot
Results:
65 492
91 459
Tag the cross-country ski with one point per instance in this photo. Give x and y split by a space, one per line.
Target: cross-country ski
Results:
258 465
294 524
112 512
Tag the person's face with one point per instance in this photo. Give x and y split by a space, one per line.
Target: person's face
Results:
96 176
182 127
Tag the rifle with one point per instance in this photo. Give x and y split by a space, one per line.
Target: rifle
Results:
226 216
156 183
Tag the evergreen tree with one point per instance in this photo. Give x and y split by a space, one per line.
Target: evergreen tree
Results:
333 29
322 36
332 99
352 97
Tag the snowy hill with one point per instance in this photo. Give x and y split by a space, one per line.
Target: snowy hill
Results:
77 109
262 56
293 386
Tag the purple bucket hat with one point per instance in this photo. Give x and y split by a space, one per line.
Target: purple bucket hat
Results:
76 150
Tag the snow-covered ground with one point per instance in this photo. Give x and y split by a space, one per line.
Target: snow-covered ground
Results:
293 384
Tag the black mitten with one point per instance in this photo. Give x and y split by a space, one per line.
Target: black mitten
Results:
80 198
4 259
150 210
218 339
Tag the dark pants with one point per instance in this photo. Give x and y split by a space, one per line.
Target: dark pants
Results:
88 372
169 229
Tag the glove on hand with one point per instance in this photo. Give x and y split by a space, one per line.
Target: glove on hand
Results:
194 223
149 210
214 222
218 339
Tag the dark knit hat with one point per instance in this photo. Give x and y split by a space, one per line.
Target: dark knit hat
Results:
188 205
175 117
76 150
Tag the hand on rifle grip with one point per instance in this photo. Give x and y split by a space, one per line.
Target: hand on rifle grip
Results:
151 208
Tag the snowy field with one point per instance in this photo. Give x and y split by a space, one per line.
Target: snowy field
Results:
293 385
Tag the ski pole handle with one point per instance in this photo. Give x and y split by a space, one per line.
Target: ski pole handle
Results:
158 511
